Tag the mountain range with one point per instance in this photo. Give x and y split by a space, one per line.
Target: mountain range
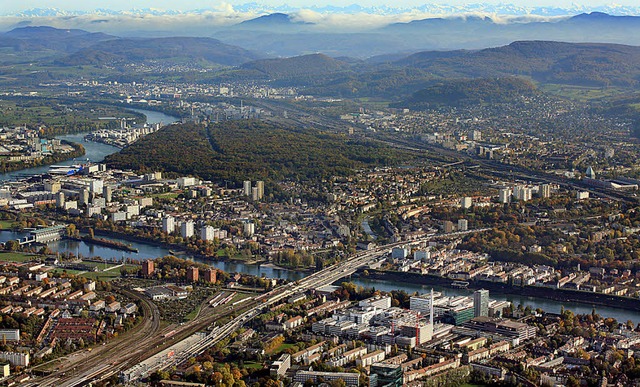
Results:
77 47
391 75
280 36
427 8
286 35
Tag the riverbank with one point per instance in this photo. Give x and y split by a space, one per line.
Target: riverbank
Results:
172 247
78 150
105 242
179 250
561 295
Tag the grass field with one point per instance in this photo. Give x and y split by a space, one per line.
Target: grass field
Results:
107 275
581 93
69 271
17 257
192 314
167 195
253 365
100 266
5 224
283 347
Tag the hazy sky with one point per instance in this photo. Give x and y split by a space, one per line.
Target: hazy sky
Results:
9 6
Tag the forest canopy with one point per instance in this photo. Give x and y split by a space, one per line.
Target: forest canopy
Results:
254 150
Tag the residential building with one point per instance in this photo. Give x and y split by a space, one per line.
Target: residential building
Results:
168 224
186 229
192 274
281 366
504 196
481 303
210 276
148 268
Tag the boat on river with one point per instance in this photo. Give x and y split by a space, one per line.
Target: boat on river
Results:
460 284
67 169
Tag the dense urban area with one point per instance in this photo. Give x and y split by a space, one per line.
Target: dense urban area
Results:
316 238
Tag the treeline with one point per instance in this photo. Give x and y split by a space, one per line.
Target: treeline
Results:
176 148
513 244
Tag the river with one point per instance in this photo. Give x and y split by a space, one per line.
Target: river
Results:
96 152
148 250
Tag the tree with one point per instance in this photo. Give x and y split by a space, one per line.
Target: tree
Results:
71 230
11 245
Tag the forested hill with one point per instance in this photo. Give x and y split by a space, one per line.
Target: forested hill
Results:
140 50
243 150
305 65
588 64
469 91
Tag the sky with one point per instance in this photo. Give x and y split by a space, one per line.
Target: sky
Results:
12 6
151 16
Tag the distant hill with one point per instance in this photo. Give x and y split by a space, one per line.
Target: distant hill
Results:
49 38
180 48
585 64
274 20
588 64
305 65
603 18
469 91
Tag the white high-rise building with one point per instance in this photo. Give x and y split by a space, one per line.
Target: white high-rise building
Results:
249 229
246 188
107 192
545 191
186 181
220 234
186 229
423 304
481 303
260 186
207 233
422 255
84 197
522 193
96 186
169 224
60 199
581 195
463 225
504 196
466 202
